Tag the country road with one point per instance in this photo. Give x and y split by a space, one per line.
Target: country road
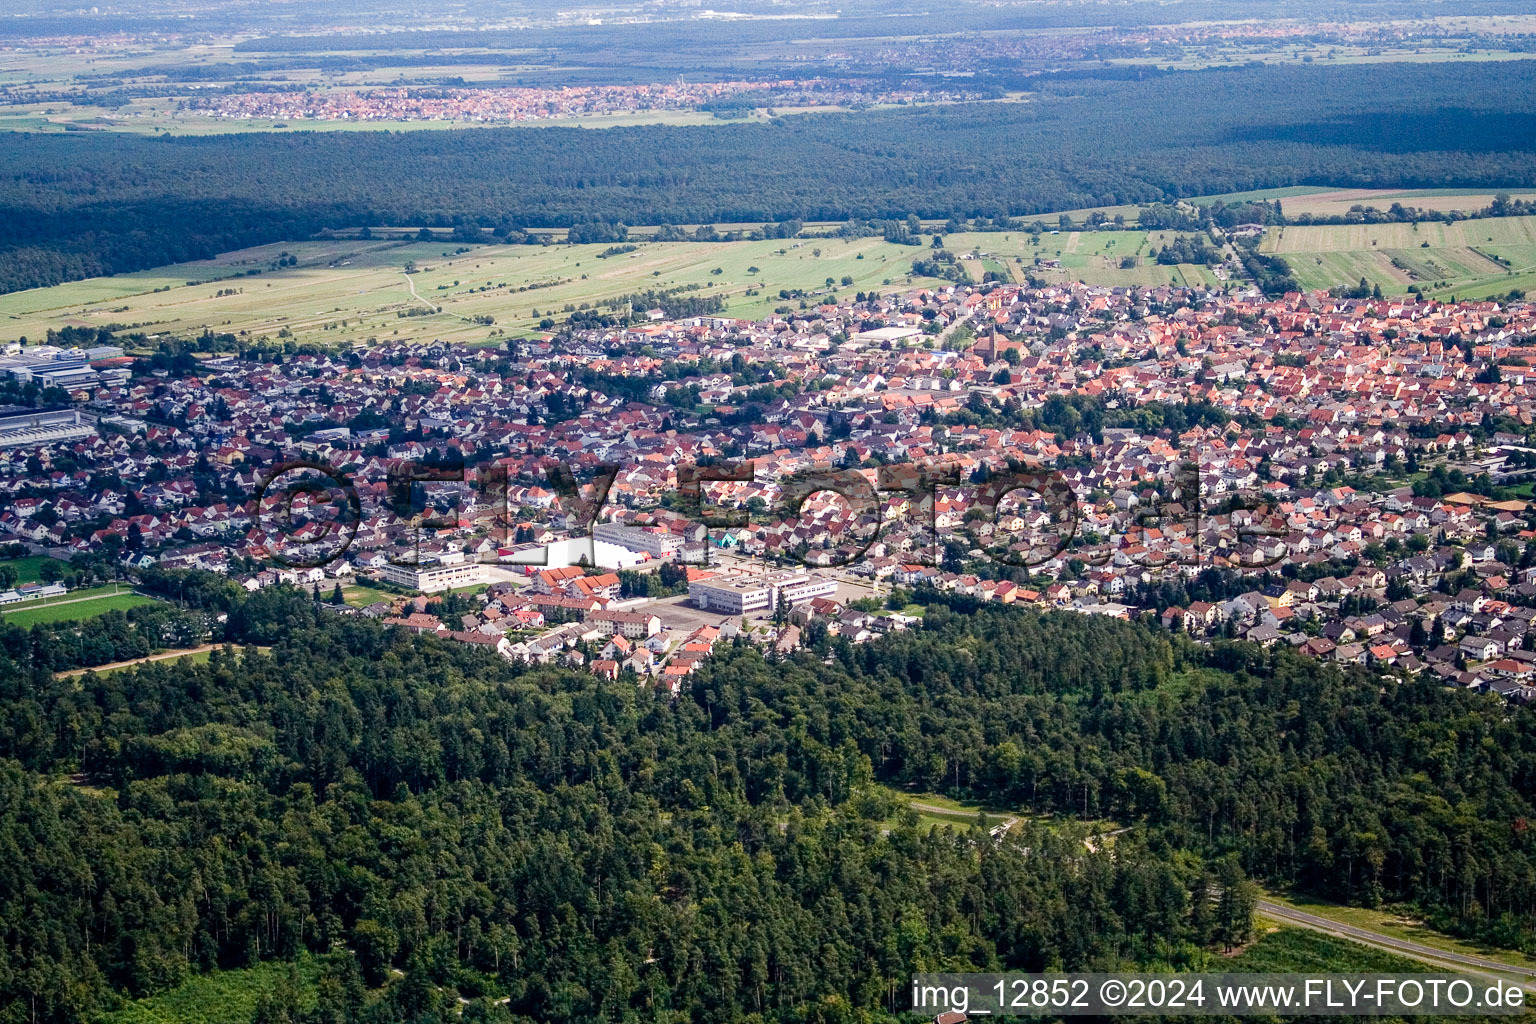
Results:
162 656
435 307
1406 947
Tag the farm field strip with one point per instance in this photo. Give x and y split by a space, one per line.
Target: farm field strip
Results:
1442 260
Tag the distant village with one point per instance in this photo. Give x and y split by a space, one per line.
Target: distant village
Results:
1350 478
507 104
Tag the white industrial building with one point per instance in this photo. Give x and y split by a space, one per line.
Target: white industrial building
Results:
656 541
436 576
35 427
745 593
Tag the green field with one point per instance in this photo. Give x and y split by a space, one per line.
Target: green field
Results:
361 595
354 290
28 570
1440 259
76 605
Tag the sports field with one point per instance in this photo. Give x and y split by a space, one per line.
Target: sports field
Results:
74 606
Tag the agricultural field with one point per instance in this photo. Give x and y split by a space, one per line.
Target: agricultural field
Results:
1315 201
344 290
353 290
1320 54
160 117
1461 259
1338 202
74 606
1093 257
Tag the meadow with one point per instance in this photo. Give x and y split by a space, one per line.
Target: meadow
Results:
353 290
1092 257
345 290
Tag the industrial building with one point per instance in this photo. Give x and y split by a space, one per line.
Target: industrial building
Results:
44 426
745 593
656 541
434 577
69 368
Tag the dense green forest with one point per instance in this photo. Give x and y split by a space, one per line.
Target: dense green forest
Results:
89 203
428 822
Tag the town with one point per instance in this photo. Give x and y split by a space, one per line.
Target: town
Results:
1350 477
509 104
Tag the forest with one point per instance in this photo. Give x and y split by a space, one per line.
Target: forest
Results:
88 203
432 823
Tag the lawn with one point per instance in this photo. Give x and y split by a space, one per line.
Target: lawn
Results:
28 569
361 595
80 604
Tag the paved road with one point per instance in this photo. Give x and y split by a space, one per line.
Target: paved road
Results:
1415 950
